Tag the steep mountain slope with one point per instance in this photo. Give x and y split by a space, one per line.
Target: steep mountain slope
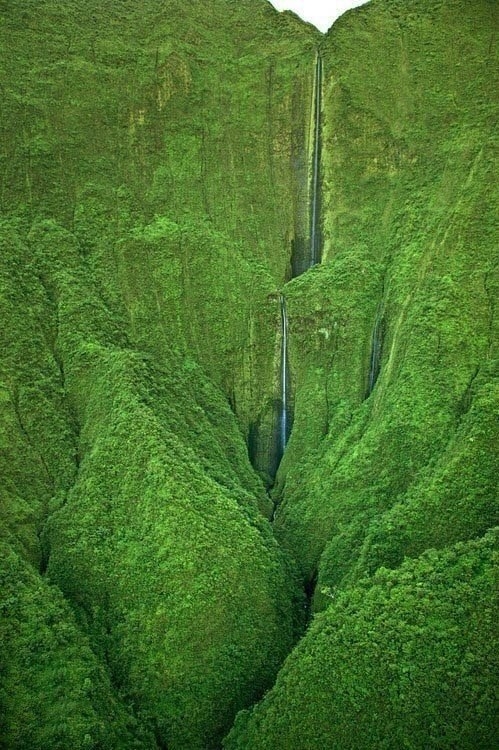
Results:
155 188
148 162
408 659
410 230
394 351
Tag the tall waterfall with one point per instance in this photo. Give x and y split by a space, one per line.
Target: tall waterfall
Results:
269 434
313 259
376 351
284 415
315 233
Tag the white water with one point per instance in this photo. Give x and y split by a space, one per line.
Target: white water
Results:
314 220
284 374
375 359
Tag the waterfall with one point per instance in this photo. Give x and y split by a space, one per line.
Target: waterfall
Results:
315 238
269 434
284 415
314 257
376 347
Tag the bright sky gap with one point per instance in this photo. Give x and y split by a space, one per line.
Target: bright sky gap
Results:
322 13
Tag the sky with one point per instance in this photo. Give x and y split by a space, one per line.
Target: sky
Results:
322 13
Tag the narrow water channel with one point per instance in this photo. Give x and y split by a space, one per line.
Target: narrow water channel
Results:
314 257
315 228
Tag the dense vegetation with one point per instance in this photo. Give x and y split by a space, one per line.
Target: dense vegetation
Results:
154 186
406 659
411 239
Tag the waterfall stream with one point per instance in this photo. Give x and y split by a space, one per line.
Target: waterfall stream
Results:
269 434
284 417
315 235
313 258
376 347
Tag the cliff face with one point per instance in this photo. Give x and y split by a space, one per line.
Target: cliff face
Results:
394 353
150 158
155 185
410 228
175 152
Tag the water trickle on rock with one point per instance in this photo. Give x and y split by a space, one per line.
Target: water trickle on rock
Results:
315 233
284 422
266 448
314 257
376 351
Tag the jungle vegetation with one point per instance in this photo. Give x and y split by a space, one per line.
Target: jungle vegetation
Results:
163 584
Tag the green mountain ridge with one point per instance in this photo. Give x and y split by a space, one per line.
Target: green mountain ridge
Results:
155 192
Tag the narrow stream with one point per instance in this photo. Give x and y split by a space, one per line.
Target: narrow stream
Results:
269 435
314 256
284 422
315 233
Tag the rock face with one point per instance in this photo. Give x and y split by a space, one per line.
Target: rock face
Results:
155 196
383 466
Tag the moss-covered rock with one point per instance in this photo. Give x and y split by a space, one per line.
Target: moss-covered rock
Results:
151 202
55 693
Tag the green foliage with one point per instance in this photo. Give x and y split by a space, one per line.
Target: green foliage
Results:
154 168
189 287
410 235
458 499
169 565
407 660
54 693
191 117
36 431
147 170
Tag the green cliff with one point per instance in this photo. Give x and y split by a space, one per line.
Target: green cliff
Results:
411 241
155 194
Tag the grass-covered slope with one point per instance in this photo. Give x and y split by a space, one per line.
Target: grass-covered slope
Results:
54 691
149 200
176 123
127 486
154 178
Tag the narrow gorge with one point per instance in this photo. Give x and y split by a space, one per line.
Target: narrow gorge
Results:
249 384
